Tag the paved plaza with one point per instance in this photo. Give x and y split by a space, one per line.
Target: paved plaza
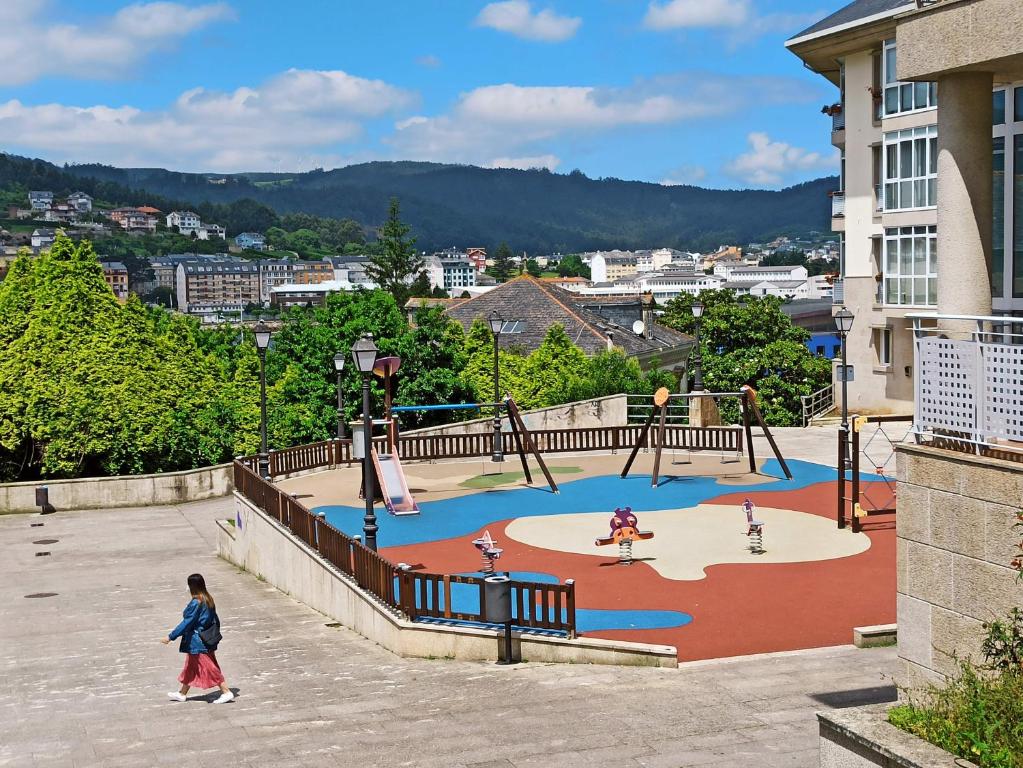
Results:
83 675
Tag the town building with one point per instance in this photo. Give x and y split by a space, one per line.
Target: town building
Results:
250 241
351 269
40 200
211 231
61 213
530 308
186 222
42 239
80 201
207 287
274 273
453 272
116 275
478 256
138 221
609 266
307 294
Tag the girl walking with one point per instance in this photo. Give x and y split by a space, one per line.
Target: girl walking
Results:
201 667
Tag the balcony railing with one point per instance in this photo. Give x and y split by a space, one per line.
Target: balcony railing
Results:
837 204
837 118
879 197
968 381
838 292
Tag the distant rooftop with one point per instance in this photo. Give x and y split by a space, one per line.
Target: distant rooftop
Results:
859 11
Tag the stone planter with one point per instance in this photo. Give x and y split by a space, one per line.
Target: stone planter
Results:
862 737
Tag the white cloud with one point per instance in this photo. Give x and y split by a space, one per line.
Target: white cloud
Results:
679 14
517 18
550 162
294 120
513 121
770 163
684 174
429 61
36 43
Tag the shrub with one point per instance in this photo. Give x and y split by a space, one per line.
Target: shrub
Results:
978 714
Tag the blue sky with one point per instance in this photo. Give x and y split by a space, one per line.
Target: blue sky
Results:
673 91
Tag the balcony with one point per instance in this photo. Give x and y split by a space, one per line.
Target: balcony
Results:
838 204
966 375
838 293
879 197
837 114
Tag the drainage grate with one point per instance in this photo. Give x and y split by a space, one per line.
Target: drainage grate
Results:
46 541
42 554
36 525
42 594
332 625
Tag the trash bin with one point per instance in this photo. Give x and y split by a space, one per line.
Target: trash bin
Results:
43 496
497 598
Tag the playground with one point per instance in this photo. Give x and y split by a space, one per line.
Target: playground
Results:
720 560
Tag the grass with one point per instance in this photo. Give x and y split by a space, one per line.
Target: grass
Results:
481 482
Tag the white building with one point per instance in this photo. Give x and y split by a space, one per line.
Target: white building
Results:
451 273
186 222
40 200
210 231
80 201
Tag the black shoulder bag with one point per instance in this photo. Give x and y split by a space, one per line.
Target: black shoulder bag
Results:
211 636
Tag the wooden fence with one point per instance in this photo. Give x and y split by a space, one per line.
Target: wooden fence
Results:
417 595
330 453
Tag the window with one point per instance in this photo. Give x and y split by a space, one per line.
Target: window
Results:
513 326
904 97
911 266
1017 218
911 168
998 228
1018 106
883 346
998 108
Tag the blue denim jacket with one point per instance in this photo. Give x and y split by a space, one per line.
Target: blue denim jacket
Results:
196 616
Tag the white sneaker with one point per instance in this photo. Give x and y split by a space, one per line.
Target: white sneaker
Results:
224 698
175 696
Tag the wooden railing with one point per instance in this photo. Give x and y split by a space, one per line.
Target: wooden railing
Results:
330 453
549 607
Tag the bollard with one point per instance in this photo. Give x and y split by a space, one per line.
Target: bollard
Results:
497 601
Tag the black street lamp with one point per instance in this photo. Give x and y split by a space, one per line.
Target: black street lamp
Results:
364 352
844 322
697 357
496 324
262 334
339 366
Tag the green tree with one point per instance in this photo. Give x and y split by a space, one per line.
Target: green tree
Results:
533 268
502 268
572 266
752 342
399 264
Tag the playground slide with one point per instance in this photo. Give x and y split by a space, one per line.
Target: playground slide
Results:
393 486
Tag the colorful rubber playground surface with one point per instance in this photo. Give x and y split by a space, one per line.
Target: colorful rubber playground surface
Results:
695 585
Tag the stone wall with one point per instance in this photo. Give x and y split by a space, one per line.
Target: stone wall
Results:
123 491
955 543
610 411
265 548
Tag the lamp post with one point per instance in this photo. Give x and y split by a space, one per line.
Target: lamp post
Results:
262 334
339 366
496 324
364 352
697 357
844 322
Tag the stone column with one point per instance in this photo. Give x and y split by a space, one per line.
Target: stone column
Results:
964 195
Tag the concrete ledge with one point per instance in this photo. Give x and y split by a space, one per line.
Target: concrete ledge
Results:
121 491
873 636
265 548
862 736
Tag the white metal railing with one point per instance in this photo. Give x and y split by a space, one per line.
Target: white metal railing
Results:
821 401
838 292
968 380
838 203
838 119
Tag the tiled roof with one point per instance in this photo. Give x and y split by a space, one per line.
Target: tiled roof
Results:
855 11
540 305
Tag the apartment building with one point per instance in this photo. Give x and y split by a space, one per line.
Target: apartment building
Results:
452 272
116 275
207 287
911 133
275 273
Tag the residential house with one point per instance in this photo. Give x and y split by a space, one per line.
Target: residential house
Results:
531 307
250 241
351 269
116 275
42 239
210 231
60 212
209 287
80 201
478 256
186 222
137 221
40 200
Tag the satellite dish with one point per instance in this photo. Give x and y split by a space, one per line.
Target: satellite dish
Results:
638 327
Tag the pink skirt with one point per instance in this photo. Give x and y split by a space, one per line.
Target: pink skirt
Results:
201 671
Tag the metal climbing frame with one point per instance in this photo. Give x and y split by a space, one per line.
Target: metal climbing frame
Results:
857 499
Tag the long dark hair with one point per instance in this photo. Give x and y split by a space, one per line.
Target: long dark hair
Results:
197 586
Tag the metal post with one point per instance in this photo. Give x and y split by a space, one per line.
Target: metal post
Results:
843 437
697 362
369 524
497 455
845 403
264 456
340 410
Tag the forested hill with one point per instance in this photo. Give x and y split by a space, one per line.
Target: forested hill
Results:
536 210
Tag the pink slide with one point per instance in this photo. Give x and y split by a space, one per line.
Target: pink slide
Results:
393 487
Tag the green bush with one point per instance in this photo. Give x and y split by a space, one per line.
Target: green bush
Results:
978 714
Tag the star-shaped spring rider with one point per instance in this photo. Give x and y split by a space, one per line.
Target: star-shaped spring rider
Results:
623 532
754 528
489 552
